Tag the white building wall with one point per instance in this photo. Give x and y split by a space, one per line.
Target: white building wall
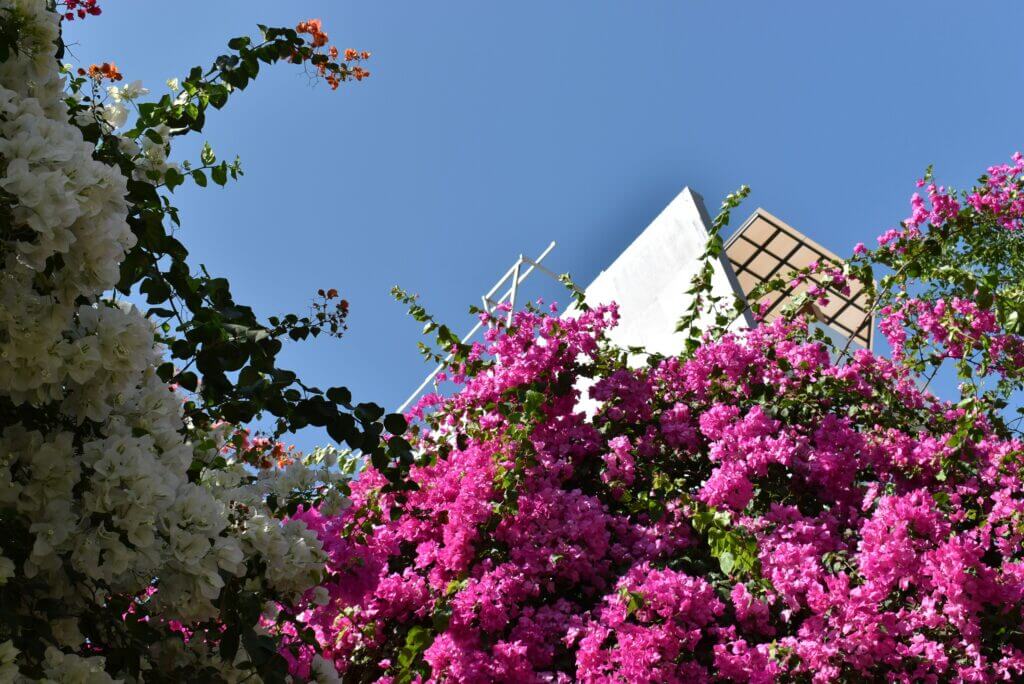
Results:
650 278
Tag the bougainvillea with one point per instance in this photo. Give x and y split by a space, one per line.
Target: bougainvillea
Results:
764 507
145 537
81 9
953 298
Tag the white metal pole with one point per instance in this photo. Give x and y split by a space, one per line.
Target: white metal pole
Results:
515 288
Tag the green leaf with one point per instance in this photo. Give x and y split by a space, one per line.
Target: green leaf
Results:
156 290
207 156
165 371
1014 321
533 401
188 380
220 174
229 643
416 641
984 298
199 177
339 395
395 423
726 561
341 427
368 412
218 96
173 178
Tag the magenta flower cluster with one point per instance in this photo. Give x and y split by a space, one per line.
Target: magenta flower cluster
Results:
753 511
532 549
962 302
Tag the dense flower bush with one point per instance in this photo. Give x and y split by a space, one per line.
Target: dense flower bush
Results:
765 507
144 537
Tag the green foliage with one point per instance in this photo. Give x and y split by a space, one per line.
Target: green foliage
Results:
222 351
11 26
410 657
703 301
968 255
734 548
449 348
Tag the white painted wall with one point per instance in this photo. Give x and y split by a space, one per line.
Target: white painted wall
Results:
649 279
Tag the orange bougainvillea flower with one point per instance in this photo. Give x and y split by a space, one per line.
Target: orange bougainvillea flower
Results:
329 69
98 72
317 37
355 55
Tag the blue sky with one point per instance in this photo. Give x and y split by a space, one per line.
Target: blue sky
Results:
489 129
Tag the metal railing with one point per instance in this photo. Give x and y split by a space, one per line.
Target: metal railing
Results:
517 274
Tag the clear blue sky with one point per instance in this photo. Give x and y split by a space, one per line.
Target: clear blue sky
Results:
489 129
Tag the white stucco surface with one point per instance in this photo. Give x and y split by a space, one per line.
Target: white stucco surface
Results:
650 278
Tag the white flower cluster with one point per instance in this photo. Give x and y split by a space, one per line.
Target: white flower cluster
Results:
99 476
116 111
59 667
151 153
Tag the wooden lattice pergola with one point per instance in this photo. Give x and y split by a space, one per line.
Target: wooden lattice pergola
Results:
766 247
